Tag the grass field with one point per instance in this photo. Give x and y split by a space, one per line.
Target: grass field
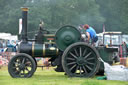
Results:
50 77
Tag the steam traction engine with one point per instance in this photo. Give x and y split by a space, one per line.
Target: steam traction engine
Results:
65 50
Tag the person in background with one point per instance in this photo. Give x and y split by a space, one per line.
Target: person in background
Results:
1 44
91 34
80 28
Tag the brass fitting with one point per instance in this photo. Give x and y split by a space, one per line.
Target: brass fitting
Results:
24 8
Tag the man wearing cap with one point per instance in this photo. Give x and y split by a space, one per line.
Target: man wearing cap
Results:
90 33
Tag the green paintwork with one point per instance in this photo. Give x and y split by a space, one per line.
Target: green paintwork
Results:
49 51
49 38
66 36
38 50
106 54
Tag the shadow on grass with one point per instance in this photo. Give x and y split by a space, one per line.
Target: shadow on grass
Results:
49 76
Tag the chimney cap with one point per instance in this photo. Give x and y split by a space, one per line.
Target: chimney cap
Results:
24 8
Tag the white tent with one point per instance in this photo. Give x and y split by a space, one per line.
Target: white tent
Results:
8 36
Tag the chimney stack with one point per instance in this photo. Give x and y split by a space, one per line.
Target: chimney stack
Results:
24 24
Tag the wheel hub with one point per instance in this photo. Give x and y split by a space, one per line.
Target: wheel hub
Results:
22 66
67 39
80 61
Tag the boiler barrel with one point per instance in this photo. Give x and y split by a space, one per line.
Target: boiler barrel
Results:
39 50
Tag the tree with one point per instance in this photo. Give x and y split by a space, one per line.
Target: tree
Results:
54 13
10 14
57 13
115 14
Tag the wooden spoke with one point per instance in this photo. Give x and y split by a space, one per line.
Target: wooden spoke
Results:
80 52
84 69
73 55
71 63
90 58
84 52
70 59
23 61
88 55
76 68
26 69
72 67
80 70
88 67
90 63
76 52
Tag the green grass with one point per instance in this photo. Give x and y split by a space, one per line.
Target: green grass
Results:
50 77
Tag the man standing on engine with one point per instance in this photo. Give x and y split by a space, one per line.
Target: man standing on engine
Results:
91 34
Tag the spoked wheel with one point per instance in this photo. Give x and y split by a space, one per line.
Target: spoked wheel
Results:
80 60
21 66
35 63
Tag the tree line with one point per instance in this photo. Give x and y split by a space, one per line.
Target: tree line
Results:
57 13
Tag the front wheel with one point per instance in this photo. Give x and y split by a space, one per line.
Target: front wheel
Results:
21 66
80 60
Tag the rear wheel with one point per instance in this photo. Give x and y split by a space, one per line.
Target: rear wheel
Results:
21 66
80 60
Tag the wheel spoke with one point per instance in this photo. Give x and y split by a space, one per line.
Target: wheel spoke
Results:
84 52
16 63
76 68
90 63
72 67
23 61
26 69
88 67
70 59
87 55
28 64
76 52
73 55
80 70
90 58
80 52
84 69
71 63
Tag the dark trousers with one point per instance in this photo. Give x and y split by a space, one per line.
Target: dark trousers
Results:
94 39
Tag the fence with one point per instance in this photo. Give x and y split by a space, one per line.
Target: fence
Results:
5 57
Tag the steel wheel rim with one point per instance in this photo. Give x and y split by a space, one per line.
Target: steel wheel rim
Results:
21 67
81 61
